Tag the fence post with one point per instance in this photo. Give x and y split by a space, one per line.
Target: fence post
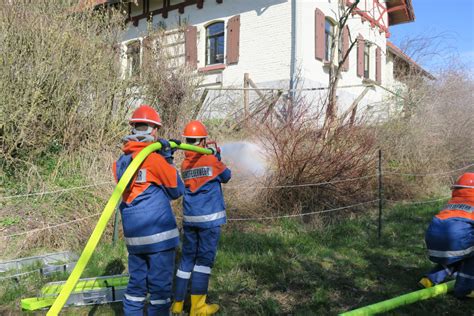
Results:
115 235
380 189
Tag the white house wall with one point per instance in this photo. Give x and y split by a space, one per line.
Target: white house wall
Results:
265 37
266 43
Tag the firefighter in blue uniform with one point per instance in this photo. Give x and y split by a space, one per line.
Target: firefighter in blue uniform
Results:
450 240
149 226
204 213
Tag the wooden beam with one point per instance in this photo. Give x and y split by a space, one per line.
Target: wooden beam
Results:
198 107
353 108
246 96
272 105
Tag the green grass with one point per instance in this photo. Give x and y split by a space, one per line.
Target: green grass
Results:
285 267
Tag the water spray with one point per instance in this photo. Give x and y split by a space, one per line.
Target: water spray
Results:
248 158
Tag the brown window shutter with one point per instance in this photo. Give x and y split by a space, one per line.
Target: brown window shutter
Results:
360 56
233 40
378 65
319 20
345 47
190 46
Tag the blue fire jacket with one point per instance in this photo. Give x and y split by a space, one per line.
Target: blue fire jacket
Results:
148 222
203 201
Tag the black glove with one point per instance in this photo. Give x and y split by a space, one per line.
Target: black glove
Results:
166 150
176 141
216 152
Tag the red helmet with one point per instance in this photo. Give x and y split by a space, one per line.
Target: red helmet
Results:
145 114
195 129
466 181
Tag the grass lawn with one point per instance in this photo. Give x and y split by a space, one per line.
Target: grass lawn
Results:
288 268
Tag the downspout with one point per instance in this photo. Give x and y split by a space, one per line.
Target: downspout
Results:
293 49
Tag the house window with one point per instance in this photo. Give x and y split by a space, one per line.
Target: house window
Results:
328 39
366 61
133 59
215 43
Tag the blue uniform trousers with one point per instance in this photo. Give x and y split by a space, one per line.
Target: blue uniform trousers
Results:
149 273
462 270
450 244
197 259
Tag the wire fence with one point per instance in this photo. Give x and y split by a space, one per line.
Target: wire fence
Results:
50 227
27 195
243 186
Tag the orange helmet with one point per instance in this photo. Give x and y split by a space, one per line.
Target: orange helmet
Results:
466 181
145 114
195 129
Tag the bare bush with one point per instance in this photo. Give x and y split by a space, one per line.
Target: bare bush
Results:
301 154
435 137
59 86
64 105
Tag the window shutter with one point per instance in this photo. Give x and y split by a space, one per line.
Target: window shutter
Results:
190 46
319 20
378 65
345 47
360 56
233 40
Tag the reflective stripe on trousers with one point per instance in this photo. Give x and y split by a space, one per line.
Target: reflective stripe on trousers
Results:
134 298
204 218
466 276
450 253
183 275
160 302
202 269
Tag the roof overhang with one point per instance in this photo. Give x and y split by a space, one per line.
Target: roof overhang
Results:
392 48
399 11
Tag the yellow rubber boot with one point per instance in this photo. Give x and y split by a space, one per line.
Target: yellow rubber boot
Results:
425 282
470 295
177 307
200 308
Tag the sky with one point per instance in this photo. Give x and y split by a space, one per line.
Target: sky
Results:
449 27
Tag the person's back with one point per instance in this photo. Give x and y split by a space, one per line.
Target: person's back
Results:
203 214
149 226
450 240
203 201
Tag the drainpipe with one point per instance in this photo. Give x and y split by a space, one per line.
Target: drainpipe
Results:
294 33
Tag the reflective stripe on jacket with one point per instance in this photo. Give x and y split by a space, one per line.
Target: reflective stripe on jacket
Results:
148 222
203 202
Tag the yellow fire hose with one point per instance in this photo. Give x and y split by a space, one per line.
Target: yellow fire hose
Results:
104 218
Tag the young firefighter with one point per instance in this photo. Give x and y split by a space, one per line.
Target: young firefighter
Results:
149 226
450 240
204 213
